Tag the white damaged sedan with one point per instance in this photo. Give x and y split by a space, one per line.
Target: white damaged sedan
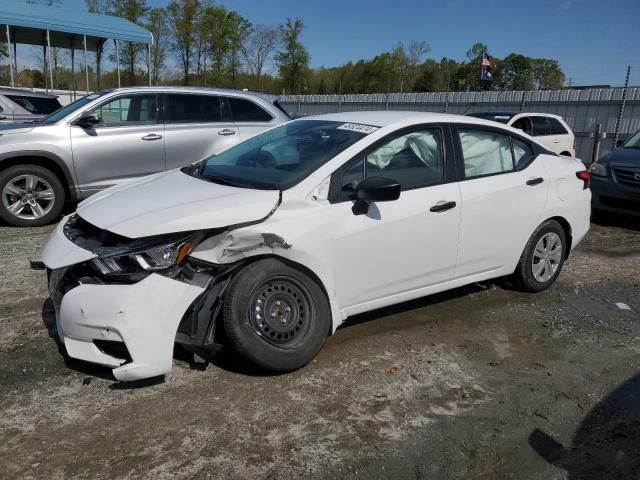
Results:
270 245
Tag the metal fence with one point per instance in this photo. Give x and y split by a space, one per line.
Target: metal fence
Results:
581 109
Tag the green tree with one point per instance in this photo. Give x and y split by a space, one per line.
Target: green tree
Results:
159 28
293 58
516 72
546 74
135 11
182 16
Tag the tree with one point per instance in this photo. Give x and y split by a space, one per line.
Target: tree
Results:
182 16
239 30
135 11
157 25
546 74
293 57
258 48
417 50
516 72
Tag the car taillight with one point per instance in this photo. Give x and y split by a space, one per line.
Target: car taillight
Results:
585 176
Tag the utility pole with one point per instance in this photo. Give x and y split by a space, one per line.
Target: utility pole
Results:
623 103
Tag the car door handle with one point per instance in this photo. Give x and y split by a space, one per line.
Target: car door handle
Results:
151 137
535 181
556 140
227 131
3 117
441 207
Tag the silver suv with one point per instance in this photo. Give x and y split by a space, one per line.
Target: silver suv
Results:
115 135
22 105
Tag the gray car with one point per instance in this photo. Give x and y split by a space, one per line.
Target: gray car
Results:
115 135
22 105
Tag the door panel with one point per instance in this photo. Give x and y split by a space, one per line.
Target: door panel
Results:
127 143
196 127
397 247
500 206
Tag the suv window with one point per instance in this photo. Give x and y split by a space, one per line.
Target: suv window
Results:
485 153
128 110
414 160
188 108
244 110
540 126
556 127
36 105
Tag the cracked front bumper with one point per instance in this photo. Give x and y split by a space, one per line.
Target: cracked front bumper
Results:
142 317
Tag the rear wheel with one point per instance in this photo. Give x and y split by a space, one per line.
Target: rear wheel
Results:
275 316
31 196
542 258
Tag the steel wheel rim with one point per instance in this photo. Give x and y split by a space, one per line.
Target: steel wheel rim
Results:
547 257
279 312
28 197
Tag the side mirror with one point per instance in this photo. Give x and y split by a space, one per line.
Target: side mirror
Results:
88 120
374 189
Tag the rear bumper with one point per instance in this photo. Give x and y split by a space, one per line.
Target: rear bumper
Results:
613 197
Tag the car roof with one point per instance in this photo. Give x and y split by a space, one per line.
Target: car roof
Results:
386 118
24 92
495 114
187 89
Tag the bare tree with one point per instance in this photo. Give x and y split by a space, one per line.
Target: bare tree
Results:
259 48
161 34
417 50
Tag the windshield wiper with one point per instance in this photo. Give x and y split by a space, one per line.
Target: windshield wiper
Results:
224 181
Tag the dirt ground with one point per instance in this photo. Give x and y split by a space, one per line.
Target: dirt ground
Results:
479 383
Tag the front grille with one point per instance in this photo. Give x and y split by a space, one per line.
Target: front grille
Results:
627 175
621 203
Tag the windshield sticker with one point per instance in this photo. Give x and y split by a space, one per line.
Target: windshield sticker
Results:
357 127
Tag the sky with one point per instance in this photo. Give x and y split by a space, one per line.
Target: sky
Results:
593 40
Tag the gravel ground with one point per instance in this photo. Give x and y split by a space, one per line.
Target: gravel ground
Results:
478 383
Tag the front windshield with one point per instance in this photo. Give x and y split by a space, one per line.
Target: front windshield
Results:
633 141
281 157
64 111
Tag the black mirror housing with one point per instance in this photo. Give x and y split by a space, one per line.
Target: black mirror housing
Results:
88 120
374 189
378 189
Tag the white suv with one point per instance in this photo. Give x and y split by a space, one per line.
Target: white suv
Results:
548 129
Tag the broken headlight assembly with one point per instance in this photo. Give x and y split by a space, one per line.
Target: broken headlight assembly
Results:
137 261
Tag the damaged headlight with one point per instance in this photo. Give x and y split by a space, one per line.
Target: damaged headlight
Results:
148 258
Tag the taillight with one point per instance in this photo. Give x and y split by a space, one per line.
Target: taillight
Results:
585 176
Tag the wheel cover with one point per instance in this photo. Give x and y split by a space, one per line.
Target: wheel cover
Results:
28 197
547 257
279 311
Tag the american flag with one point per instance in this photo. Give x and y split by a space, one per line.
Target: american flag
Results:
487 61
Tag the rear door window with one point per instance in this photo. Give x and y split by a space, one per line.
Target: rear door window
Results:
522 153
556 127
540 126
244 110
485 153
188 108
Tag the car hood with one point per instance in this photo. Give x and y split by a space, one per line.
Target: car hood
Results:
623 157
172 202
16 128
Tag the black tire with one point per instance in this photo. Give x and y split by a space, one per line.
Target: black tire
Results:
524 275
52 208
566 154
261 340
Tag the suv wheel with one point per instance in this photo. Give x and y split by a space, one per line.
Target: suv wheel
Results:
275 316
31 196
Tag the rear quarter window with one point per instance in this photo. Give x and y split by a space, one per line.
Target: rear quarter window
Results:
246 111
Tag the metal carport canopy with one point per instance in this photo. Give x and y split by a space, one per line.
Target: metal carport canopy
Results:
64 27
64 24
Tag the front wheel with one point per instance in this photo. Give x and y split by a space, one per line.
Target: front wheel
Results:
32 196
275 316
542 258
